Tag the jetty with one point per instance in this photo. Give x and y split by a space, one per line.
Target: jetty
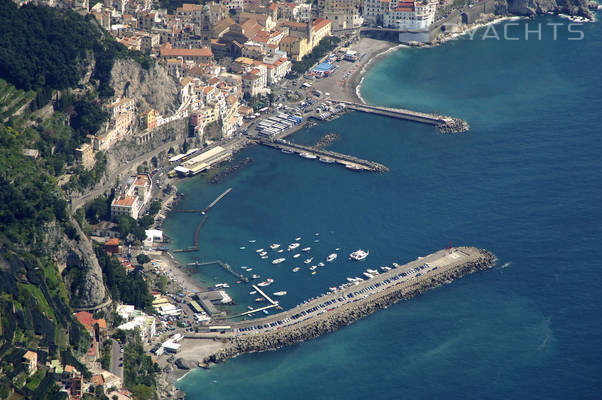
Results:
444 123
197 231
327 156
222 264
349 302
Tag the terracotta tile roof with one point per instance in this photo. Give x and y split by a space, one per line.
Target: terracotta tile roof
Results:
289 39
126 201
85 318
98 380
292 24
320 23
168 51
110 242
101 323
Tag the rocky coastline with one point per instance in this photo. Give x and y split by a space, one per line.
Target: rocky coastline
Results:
337 319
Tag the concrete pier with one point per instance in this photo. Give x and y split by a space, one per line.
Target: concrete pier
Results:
351 162
444 123
354 301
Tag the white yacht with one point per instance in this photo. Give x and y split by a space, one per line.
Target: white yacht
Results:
321 264
280 293
296 269
278 260
259 251
372 271
306 249
308 260
267 282
308 156
263 253
274 246
297 255
313 267
293 246
280 251
331 257
368 275
358 255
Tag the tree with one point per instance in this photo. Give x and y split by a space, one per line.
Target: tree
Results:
154 207
142 259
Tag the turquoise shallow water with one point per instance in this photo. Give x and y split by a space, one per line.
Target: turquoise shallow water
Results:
524 183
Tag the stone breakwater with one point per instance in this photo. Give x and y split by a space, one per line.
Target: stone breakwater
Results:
336 319
326 140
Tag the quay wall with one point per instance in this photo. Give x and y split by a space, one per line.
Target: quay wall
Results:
338 318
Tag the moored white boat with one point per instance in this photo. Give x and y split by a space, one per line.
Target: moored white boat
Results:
358 255
267 282
274 246
308 260
306 249
297 255
258 250
280 293
331 257
278 260
308 156
293 246
296 269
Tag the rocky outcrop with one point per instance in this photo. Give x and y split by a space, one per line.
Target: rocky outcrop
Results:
151 88
536 7
78 264
186 364
335 320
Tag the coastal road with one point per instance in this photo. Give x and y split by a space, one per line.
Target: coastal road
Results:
116 360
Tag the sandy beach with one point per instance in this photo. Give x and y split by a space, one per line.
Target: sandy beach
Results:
179 275
343 83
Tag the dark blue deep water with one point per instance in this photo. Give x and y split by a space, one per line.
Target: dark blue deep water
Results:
525 183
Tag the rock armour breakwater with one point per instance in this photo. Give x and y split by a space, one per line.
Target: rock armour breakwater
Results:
334 320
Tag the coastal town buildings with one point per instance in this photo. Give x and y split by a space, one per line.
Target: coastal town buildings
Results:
406 15
131 201
137 320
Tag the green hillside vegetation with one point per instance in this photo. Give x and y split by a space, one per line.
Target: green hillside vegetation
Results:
45 48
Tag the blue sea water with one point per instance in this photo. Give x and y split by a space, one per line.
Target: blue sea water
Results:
525 183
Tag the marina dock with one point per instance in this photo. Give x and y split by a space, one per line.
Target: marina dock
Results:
222 264
444 123
338 308
327 156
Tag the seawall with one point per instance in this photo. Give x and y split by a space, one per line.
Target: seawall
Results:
345 315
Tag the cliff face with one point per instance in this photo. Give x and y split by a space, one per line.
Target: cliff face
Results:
535 7
151 88
79 267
